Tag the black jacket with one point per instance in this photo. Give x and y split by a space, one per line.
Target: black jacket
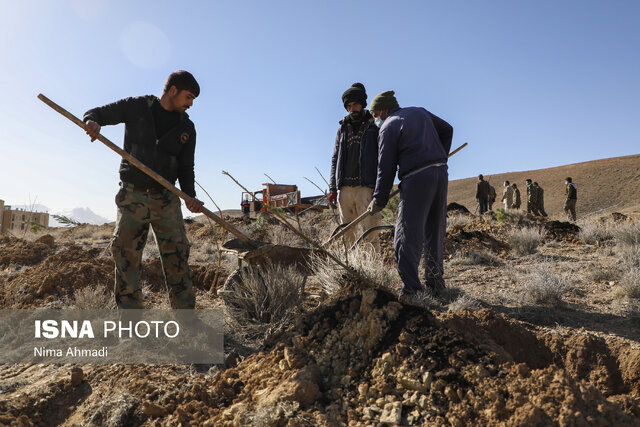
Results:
368 155
171 156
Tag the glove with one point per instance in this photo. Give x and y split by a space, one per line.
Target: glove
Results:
332 198
374 208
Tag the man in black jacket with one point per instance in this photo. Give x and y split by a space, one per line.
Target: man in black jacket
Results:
159 133
354 162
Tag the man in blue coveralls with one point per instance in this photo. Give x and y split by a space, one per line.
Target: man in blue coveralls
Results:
416 143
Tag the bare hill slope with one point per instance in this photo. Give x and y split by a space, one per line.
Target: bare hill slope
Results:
607 184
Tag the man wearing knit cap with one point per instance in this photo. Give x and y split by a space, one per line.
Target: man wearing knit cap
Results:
354 163
416 143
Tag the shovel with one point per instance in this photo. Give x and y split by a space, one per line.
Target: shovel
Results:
362 216
166 184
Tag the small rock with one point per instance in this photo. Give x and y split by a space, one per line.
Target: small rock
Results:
427 379
451 394
423 401
150 409
388 358
77 376
392 413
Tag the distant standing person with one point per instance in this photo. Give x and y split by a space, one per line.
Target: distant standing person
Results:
416 144
532 206
492 196
482 194
571 191
539 199
507 195
159 133
354 163
516 196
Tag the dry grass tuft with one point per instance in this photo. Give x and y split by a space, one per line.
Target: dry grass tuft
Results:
525 241
600 273
458 219
629 286
592 232
365 259
92 298
544 287
465 302
475 258
263 300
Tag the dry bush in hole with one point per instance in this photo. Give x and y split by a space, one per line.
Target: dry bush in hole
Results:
458 219
92 298
474 258
525 241
544 287
261 301
365 259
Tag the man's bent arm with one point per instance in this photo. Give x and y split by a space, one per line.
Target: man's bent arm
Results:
110 114
387 162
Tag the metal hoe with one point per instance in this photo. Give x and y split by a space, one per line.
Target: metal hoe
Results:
362 216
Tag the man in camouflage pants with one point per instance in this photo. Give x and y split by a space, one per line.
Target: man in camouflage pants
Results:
159 133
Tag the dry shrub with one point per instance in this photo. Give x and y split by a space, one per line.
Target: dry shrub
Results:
592 232
544 287
365 259
629 286
474 258
525 241
92 298
599 273
627 234
261 301
458 219
464 302
627 238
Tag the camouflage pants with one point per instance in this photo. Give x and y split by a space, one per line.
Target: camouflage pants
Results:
570 208
137 210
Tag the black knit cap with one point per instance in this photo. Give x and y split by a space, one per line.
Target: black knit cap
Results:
356 93
384 101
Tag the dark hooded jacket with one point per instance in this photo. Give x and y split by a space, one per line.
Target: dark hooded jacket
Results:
171 156
368 160
410 138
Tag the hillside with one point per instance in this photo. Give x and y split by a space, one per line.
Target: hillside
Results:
603 185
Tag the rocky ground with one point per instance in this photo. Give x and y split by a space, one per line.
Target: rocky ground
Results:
548 336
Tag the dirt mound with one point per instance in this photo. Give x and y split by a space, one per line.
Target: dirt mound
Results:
559 230
457 207
203 277
406 366
614 217
458 239
22 252
56 277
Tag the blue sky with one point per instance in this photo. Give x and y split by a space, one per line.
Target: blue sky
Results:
529 84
